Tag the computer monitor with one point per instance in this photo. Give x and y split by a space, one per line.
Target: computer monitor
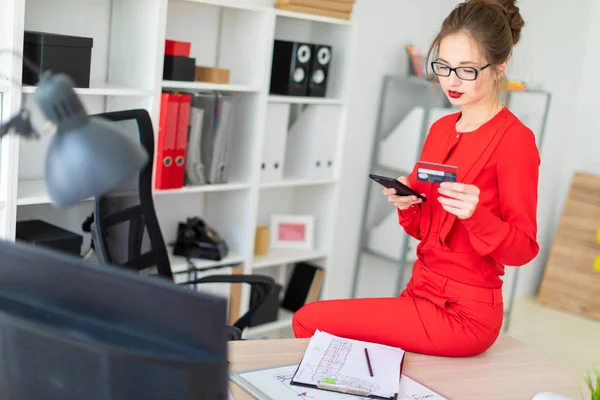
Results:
74 329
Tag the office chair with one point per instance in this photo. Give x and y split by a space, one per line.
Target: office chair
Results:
126 232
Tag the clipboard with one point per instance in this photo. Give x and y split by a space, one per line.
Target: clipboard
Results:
336 364
333 387
361 393
273 383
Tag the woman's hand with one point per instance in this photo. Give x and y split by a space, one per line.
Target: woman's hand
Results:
402 202
461 200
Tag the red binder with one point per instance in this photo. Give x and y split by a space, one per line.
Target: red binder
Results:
183 122
167 136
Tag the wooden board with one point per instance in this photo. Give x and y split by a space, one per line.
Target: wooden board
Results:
571 280
345 7
313 10
235 296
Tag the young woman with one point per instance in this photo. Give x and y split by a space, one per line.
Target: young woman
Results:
468 229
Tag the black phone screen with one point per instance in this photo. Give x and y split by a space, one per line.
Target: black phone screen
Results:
401 190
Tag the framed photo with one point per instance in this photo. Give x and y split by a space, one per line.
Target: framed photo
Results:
292 231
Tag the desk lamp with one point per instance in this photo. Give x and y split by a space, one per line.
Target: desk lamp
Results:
88 156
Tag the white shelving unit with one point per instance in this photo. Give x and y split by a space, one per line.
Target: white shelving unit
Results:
100 89
126 73
207 86
303 100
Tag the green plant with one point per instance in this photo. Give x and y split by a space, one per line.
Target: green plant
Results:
593 382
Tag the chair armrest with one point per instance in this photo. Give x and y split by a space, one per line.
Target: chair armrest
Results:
263 285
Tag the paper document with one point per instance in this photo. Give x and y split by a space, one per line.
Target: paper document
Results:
355 367
274 384
549 396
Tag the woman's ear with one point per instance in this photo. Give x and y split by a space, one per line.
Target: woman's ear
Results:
501 69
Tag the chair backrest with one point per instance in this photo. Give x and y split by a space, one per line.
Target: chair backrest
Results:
126 230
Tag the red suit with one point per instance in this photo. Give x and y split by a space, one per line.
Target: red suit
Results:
452 305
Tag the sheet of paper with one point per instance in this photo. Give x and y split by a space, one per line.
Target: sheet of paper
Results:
343 362
274 384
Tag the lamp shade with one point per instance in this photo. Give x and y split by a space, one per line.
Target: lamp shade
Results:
90 161
88 156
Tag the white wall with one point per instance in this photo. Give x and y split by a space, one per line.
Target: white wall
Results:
550 55
587 118
384 27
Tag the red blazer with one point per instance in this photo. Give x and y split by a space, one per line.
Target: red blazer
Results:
500 158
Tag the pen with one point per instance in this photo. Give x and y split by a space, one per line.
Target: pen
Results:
368 362
343 389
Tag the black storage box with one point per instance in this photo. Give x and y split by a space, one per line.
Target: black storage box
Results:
268 311
306 280
71 55
178 68
41 233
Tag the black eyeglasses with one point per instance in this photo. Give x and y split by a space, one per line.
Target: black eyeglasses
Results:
464 73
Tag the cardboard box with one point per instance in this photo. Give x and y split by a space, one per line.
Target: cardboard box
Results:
212 74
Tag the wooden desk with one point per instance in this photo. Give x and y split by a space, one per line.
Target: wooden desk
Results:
509 370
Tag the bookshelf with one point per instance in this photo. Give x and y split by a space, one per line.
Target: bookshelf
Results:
126 72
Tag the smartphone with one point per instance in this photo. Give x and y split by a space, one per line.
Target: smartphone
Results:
401 189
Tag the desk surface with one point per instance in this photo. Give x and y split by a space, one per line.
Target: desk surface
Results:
509 370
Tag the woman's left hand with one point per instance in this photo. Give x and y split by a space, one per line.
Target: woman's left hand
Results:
461 200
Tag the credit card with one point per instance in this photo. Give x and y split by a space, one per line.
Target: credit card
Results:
436 173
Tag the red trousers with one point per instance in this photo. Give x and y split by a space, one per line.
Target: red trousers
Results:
434 315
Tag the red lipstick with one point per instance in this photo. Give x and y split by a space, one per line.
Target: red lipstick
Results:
454 95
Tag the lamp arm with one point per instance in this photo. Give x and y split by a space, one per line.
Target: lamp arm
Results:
33 67
30 120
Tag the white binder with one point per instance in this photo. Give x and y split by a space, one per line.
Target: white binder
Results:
312 143
273 156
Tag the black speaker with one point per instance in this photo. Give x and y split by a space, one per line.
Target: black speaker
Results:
319 71
291 68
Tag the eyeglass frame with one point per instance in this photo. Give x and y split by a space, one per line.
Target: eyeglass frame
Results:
477 70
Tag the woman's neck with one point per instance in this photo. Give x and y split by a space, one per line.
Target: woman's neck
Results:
475 115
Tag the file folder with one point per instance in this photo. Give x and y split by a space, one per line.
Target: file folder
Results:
221 140
209 138
166 143
194 167
183 117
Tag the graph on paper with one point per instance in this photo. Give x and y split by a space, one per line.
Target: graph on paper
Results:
333 362
342 361
334 359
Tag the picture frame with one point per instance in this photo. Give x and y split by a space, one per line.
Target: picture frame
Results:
291 231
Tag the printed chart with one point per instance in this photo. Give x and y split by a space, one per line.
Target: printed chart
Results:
333 362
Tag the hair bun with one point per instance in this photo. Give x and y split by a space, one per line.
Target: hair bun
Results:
515 19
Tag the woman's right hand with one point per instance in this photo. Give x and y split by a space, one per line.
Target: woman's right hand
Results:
402 202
